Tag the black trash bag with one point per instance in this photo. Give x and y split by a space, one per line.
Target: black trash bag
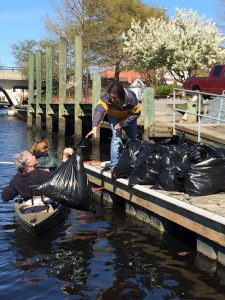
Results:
205 178
201 152
171 178
220 152
127 159
69 185
171 154
174 140
148 165
134 147
152 159
123 168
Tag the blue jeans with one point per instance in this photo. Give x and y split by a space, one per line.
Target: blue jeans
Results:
116 142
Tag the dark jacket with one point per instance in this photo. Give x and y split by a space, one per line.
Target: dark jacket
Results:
46 161
21 184
128 112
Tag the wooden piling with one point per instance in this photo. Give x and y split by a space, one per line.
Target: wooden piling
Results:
49 67
96 88
149 111
62 86
30 109
78 85
38 61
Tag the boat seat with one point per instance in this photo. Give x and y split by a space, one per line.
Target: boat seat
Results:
33 209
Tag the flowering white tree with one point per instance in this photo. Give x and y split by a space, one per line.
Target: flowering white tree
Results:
148 47
186 43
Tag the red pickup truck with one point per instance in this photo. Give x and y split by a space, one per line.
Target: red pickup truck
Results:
214 83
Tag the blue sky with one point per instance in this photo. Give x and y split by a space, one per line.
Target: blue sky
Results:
209 8
24 19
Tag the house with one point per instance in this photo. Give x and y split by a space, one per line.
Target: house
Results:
124 76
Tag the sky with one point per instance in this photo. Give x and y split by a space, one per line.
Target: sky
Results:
24 19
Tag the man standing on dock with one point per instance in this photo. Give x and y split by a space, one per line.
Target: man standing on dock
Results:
123 110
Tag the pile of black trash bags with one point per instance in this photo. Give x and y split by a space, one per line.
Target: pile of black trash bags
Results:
173 165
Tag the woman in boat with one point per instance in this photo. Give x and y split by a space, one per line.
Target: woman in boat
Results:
45 161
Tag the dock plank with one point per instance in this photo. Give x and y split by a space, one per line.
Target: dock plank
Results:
211 132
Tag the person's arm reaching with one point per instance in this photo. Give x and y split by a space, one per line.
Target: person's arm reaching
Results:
9 192
92 132
99 113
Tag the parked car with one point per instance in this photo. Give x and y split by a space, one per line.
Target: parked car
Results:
214 83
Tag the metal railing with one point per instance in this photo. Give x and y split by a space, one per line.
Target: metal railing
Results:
3 68
198 114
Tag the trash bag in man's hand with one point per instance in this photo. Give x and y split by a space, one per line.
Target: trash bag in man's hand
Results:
69 185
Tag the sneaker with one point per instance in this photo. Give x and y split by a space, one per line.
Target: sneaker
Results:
105 163
106 169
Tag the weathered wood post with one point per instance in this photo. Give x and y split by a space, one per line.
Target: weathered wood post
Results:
49 67
149 111
96 94
62 85
30 109
38 60
78 85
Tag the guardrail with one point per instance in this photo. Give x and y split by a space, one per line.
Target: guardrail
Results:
9 68
198 114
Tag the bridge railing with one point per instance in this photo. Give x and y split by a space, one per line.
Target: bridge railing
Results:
3 68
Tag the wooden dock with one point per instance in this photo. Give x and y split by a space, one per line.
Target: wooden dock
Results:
204 216
213 134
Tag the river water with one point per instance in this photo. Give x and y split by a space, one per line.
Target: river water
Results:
109 255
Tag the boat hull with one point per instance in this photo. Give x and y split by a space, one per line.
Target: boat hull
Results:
39 219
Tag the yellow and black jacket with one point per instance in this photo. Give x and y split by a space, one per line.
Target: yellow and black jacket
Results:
127 112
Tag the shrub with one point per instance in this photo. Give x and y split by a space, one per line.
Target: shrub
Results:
165 89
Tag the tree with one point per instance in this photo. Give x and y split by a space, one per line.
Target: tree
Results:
197 43
21 53
101 24
186 43
22 49
148 48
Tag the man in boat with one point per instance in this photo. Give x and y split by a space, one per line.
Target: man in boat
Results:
123 109
28 175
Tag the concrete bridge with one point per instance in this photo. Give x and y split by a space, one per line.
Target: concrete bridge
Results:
13 86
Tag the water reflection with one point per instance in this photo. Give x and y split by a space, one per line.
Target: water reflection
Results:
108 255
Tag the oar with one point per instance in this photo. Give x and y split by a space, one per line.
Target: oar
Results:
6 163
